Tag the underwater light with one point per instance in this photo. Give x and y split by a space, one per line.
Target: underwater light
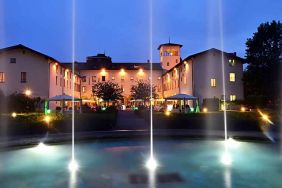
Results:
226 159
151 164
73 166
232 143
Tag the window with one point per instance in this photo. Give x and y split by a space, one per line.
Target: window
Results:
56 80
113 78
159 78
232 77
13 60
122 78
83 89
23 77
231 62
167 64
213 82
93 78
83 78
2 77
232 97
131 78
176 61
103 78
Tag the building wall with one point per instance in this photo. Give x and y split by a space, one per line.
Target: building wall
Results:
125 79
36 68
208 66
167 60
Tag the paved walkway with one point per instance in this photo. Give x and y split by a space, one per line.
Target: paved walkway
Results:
128 120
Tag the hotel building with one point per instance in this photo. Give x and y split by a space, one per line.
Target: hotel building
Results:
202 75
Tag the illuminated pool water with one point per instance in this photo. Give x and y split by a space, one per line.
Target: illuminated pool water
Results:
120 163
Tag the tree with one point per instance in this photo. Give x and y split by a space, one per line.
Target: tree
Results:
263 54
108 91
142 90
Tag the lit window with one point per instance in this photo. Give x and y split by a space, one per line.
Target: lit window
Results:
213 82
23 77
113 78
122 78
13 60
232 77
232 97
2 77
83 89
83 78
159 78
131 78
231 62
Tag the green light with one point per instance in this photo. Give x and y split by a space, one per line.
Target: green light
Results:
135 108
48 111
192 109
104 108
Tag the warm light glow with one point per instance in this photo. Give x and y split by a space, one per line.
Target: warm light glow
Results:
141 72
226 159
167 113
205 110
47 119
186 65
243 109
151 164
103 72
73 166
14 114
265 117
27 92
122 72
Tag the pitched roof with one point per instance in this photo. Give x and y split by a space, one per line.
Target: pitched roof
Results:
115 66
169 44
20 46
233 55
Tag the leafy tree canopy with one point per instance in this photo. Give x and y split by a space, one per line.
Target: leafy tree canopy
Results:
263 54
108 91
142 90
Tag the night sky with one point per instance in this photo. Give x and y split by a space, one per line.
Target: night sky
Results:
121 28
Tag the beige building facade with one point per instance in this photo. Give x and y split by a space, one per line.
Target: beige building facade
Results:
24 70
202 75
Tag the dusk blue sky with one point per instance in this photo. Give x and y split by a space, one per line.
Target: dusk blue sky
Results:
121 28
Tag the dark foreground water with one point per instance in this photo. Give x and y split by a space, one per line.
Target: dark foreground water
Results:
120 163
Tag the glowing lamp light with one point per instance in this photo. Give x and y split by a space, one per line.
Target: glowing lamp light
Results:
167 113
265 117
151 164
48 111
73 166
104 108
122 72
141 72
226 159
205 110
14 114
27 92
243 109
103 72
47 119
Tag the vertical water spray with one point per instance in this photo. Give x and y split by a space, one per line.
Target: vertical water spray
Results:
226 158
151 163
73 166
